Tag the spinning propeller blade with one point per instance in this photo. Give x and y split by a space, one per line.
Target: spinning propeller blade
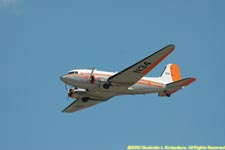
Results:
67 92
92 78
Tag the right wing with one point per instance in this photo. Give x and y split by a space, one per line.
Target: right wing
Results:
78 104
134 73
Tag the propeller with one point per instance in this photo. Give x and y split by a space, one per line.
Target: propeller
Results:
92 78
69 91
92 70
66 88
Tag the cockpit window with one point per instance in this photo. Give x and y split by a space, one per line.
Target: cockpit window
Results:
73 72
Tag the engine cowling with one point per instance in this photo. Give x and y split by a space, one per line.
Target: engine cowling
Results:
75 93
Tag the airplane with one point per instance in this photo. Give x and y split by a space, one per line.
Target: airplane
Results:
91 86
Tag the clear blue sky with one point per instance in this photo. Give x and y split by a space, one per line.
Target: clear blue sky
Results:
41 40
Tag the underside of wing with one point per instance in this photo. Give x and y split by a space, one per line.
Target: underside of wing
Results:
132 74
79 105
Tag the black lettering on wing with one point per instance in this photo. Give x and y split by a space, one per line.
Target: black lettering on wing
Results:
142 67
147 63
137 70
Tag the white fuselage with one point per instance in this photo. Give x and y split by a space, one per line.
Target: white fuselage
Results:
81 79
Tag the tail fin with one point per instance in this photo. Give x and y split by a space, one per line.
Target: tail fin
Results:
171 73
172 78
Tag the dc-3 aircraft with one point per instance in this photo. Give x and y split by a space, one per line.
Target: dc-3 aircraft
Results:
91 86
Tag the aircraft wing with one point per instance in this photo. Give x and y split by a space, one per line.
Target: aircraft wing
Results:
134 73
78 104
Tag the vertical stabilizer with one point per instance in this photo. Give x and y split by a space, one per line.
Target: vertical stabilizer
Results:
171 73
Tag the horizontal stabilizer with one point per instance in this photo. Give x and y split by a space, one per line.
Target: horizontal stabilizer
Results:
175 86
179 84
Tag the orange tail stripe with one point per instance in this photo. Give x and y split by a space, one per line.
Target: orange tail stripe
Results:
175 72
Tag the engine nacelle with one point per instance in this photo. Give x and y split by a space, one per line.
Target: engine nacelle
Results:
75 93
102 83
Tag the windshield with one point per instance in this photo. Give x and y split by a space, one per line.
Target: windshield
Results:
73 72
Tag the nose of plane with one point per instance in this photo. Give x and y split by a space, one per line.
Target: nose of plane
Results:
68 79
63 78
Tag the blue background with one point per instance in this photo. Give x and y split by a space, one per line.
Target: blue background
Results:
41 40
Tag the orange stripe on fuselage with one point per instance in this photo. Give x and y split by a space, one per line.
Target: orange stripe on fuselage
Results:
100 74
87 75
156 63
150 83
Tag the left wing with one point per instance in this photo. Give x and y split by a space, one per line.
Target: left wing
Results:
134 73
79 104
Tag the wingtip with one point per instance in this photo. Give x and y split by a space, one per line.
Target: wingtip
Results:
193 79
63 111
172 46
189 81
169 48
66 111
